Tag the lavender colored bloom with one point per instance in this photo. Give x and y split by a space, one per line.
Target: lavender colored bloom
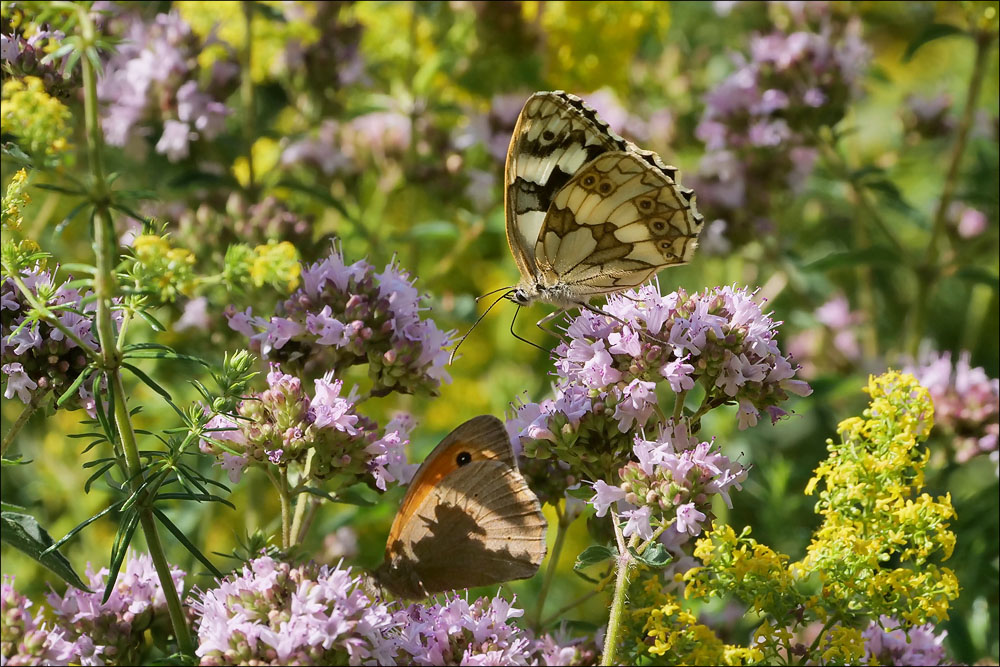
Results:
759 120
283 424
966 403
605 495
348 314
274 614
37 355
968 222
889 644
638 523
330 410
26 641
175 139
456 632
114 629
670 480
153 80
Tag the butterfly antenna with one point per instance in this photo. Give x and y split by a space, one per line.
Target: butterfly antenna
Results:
523 340
501 289
461 340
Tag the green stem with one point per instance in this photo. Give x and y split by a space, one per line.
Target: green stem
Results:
838 164
679 405
928 273
105 248
301 501
248 98
550 571
22 419
286 509
625 565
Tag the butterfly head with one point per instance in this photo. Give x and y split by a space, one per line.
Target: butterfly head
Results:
523 295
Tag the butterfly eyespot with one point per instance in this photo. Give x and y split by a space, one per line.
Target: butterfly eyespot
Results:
646 204
548 135
464 458
605 187
658 226
588 181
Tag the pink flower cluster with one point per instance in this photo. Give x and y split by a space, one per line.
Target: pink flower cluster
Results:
348 314
887 643
759 122
966 402
33 353
274 614
151 87
671 482
282 424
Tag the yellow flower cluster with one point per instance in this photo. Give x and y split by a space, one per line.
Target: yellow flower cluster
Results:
672 635
590 45
876 553
270 37
872 516
14 201
740 566
276 264
160 267
39 121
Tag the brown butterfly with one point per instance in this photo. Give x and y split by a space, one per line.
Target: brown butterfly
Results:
468 518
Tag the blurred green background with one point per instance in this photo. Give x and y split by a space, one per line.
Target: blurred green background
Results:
420 100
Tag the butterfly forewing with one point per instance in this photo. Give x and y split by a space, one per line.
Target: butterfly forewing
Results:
588 212
556 134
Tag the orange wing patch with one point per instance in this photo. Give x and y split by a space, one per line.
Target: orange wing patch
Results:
428 477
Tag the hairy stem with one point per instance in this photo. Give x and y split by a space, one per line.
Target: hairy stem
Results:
286 509
22 419
625 565
928 273
296 531
550 571
105 287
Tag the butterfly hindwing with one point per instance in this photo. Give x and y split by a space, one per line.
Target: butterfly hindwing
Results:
468 517
617 222
556 134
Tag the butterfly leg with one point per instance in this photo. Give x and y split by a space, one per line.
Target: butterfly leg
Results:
543 323
641 332
523 340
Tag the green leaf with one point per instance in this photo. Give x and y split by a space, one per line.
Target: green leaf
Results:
15 462
23 532
359 494
58 188
876 255
182 538
593 555
656 555
71 390
68 536
148 381
929 34
584 492
977 274
118 552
